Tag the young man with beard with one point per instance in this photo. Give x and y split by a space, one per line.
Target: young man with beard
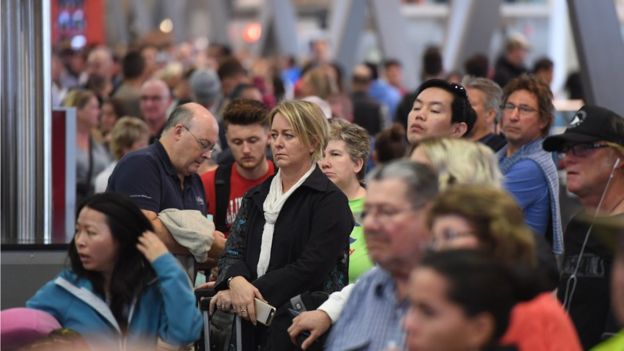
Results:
247 134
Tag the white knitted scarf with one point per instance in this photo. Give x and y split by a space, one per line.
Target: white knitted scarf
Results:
272 207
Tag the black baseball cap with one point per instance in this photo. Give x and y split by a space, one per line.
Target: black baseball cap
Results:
590 124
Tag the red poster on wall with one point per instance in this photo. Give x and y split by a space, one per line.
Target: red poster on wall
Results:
80 20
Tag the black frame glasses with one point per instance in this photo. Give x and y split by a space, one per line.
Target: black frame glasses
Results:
581 150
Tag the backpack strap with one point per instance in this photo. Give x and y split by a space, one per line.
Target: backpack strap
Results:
222 196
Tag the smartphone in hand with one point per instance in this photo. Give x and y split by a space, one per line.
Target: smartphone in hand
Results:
264 312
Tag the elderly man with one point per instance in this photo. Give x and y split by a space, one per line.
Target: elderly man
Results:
440 109
394 218
163 175
593 157
485 98
155 101
530 172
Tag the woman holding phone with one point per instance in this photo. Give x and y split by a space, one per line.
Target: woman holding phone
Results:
291 233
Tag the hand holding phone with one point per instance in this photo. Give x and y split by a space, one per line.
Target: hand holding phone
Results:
264 312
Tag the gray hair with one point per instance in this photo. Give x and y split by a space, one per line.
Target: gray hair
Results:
493 92
180 114
420 179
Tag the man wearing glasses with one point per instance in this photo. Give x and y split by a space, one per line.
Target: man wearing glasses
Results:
394 218
154 102
530 172
163 175
592 149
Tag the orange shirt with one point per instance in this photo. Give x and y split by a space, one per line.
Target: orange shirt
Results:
541 325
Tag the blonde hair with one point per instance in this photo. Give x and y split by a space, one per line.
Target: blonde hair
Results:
461 161
125 133
78 98
307 121
355 138
495 217
320 82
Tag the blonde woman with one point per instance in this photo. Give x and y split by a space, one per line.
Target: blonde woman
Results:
291 233
459 161
128 134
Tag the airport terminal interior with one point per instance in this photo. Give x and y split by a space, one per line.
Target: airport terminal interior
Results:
75 74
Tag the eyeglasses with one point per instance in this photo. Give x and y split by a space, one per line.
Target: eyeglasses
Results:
447 235
151 97
384 214
523 110
205 145
581 150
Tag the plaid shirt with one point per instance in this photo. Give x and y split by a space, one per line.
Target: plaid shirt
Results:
371 318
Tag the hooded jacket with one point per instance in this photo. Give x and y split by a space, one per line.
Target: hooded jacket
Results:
165 309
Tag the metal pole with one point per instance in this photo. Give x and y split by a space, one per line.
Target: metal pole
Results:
25 100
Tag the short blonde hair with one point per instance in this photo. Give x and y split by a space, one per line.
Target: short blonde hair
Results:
125 133
461 161
307 121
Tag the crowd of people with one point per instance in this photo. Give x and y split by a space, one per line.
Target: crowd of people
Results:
370 218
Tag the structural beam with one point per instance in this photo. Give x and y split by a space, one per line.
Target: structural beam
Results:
600 51
471 25
391 28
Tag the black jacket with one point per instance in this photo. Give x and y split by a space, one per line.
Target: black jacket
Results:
310 242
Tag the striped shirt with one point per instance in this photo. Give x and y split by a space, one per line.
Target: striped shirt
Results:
371 318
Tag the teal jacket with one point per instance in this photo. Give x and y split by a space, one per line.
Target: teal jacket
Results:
164 310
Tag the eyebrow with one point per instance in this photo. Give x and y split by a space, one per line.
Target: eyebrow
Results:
430 103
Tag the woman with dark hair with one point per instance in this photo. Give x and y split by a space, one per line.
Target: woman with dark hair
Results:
123 287
390 144
461 300
91 156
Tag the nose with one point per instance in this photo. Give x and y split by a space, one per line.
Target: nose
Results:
567 159
324 163
207 154
417 115
370 224
79 240
246 148
410 321
277 142
514 114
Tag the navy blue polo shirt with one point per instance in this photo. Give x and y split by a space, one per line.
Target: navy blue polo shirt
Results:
149 178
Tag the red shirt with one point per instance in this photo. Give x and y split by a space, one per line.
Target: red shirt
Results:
541 324
238 188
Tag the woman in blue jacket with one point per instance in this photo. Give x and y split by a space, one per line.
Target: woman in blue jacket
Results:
123 288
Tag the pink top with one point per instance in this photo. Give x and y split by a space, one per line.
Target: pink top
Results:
22 326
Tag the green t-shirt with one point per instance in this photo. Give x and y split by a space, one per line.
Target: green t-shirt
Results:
615 343
359 262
